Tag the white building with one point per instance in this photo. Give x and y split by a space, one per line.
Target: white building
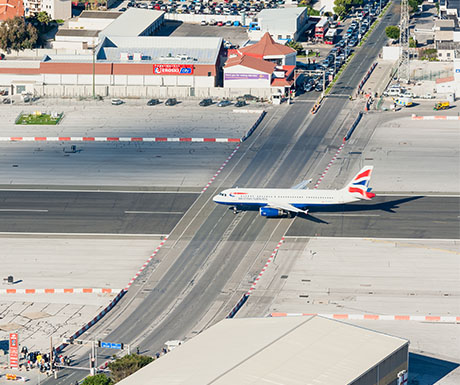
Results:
57 9
283 24
288 351
93 20
135 22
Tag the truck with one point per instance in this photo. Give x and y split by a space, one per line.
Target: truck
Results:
441 106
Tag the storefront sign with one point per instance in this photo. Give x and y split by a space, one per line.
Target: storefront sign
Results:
236 76
173 69
14 351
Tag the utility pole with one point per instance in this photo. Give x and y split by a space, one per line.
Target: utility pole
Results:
94 72
404 54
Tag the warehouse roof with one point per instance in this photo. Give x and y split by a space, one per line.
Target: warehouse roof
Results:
99 15
279 19
162 49
132 22
292 350
77 32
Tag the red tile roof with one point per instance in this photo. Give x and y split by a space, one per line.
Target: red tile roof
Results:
266 47
445 80
282 83
10 9
252 62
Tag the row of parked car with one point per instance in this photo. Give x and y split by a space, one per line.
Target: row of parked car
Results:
203 103
226 7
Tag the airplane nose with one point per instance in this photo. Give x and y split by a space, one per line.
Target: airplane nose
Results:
214 198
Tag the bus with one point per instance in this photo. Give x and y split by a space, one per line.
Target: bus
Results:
321 28
329 38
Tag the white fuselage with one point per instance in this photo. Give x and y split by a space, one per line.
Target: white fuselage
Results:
295 197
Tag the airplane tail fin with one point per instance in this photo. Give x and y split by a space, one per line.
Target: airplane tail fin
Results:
359 185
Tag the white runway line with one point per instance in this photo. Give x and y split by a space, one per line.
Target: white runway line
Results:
24 210
346 215
155 212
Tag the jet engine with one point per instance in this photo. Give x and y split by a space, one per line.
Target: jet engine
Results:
270 212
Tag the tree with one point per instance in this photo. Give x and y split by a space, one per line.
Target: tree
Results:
127 365
392 31
17 35
295 45
43 17
98 379
341 7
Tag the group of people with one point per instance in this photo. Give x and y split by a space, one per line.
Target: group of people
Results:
43 361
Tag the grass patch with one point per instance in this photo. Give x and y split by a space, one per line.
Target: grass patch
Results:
39 119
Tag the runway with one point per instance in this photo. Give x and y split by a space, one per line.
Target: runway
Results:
211 256
92 212
384 217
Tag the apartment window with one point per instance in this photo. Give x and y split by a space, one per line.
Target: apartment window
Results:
288 37
448 54
280 37
209 73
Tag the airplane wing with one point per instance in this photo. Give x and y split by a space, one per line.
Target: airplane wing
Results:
302 185
286 207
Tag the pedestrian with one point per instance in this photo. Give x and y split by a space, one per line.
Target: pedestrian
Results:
137 350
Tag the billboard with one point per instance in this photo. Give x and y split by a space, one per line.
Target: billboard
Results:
14 351
237 76
173 69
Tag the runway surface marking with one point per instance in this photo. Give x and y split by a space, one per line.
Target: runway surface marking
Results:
91 235
24 210
373 239
156 212
375 317
347 215
103 191
78 290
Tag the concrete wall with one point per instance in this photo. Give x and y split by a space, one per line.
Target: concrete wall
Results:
89 23
39 52
62 9
49 90
196 19
245 81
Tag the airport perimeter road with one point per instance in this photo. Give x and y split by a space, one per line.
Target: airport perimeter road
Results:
202 269
422 217
92 212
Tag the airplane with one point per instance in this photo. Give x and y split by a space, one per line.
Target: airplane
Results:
276 202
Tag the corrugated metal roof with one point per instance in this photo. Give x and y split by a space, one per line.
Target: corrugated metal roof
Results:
162 49
77 32
279 19
288 351
132 22
99 15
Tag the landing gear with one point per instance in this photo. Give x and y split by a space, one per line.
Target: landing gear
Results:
235 210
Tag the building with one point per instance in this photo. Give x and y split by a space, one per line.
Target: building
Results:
266 64
135 22
56 9
123 66
447 51
93 20
10 9
288 351
75 39
284 24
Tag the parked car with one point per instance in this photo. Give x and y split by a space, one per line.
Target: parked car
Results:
308 85
206 102
224 103
122 9
240 103
171 102
204 22
117 102
153 102
220 23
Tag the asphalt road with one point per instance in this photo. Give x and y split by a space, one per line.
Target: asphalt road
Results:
384 217
92 212
205 258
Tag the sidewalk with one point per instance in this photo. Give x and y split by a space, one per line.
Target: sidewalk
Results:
380 77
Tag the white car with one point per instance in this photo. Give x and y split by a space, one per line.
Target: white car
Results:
117 102
204 22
